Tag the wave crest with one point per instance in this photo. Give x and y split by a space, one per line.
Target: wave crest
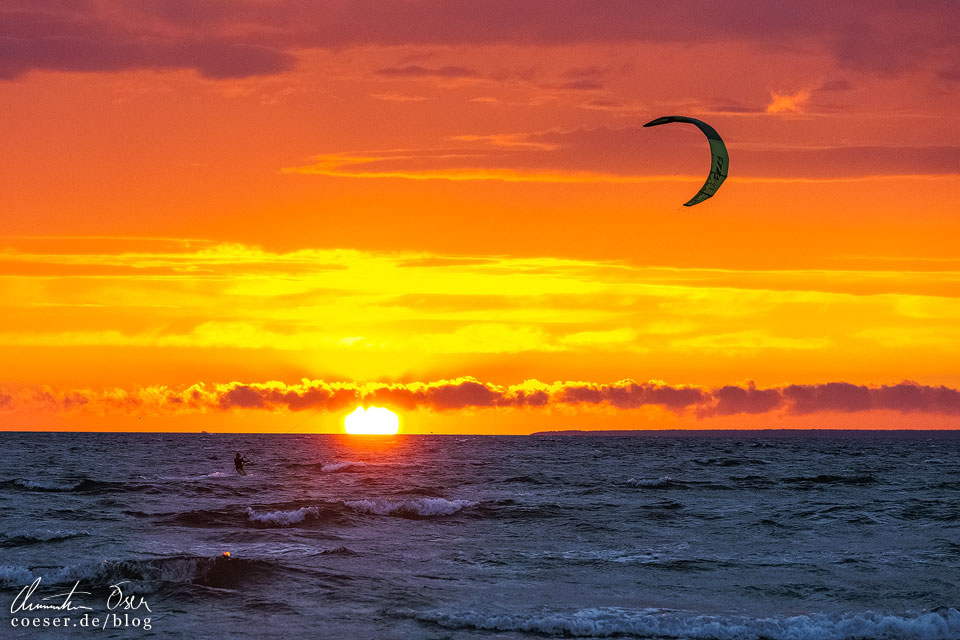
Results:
36 536
283 518
341 465
650 623
415 507
147 574
828 479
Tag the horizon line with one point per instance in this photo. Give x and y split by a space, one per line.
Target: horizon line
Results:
559 432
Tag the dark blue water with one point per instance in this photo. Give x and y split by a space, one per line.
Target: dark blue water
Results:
736 537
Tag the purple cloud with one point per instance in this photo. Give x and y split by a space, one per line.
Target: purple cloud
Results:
468 393
237 38
416 71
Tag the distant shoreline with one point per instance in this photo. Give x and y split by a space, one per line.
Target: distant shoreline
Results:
769 433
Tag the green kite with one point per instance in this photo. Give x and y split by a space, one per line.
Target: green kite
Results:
719 163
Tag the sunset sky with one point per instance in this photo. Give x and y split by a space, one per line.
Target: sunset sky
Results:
258 214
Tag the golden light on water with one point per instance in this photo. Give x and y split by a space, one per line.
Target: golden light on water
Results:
372 421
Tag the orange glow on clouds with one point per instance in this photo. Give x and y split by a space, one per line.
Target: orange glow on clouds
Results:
331 203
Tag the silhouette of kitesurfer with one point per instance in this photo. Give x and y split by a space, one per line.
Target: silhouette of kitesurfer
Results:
238 461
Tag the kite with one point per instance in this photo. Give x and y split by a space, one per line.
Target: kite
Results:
719 162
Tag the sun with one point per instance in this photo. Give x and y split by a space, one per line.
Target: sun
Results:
372 421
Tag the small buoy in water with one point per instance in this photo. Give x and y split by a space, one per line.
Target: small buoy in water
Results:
226 554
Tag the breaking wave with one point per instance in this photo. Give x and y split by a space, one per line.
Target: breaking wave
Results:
943 624
283 518
415 507
81 485
148 574
341 465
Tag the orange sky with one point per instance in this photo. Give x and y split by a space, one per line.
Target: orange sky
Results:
253 215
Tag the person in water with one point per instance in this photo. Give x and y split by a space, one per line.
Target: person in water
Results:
238 461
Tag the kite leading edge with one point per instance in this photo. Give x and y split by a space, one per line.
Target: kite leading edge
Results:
719 159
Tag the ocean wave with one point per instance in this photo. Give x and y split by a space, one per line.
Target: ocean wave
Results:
937 510
666 482
415 507
341 465
662 482
431 492
196 518
535 478
653 558
651 623
726 462
38 536
237 516
336 551
14 576
330 467
752 481
283 518
662 505
514 509
147 574
44 485
605 555
826 479
81 485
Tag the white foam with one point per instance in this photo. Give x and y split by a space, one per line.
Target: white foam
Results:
20 576
46 486
659 482
609 555
177 569
339 550
14 576
340 465
283 518
413 506
650 623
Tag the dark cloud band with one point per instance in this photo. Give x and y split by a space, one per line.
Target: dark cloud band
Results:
468 393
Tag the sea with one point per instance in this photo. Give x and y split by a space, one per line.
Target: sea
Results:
721 536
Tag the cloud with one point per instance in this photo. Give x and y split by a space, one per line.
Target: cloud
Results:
836 85
509 140
951 73
788 103
583 84
397 97
468 393
885 43
86 42
222 39
906 397
416 71
584 78
747 341
732 400
626 156
347 304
